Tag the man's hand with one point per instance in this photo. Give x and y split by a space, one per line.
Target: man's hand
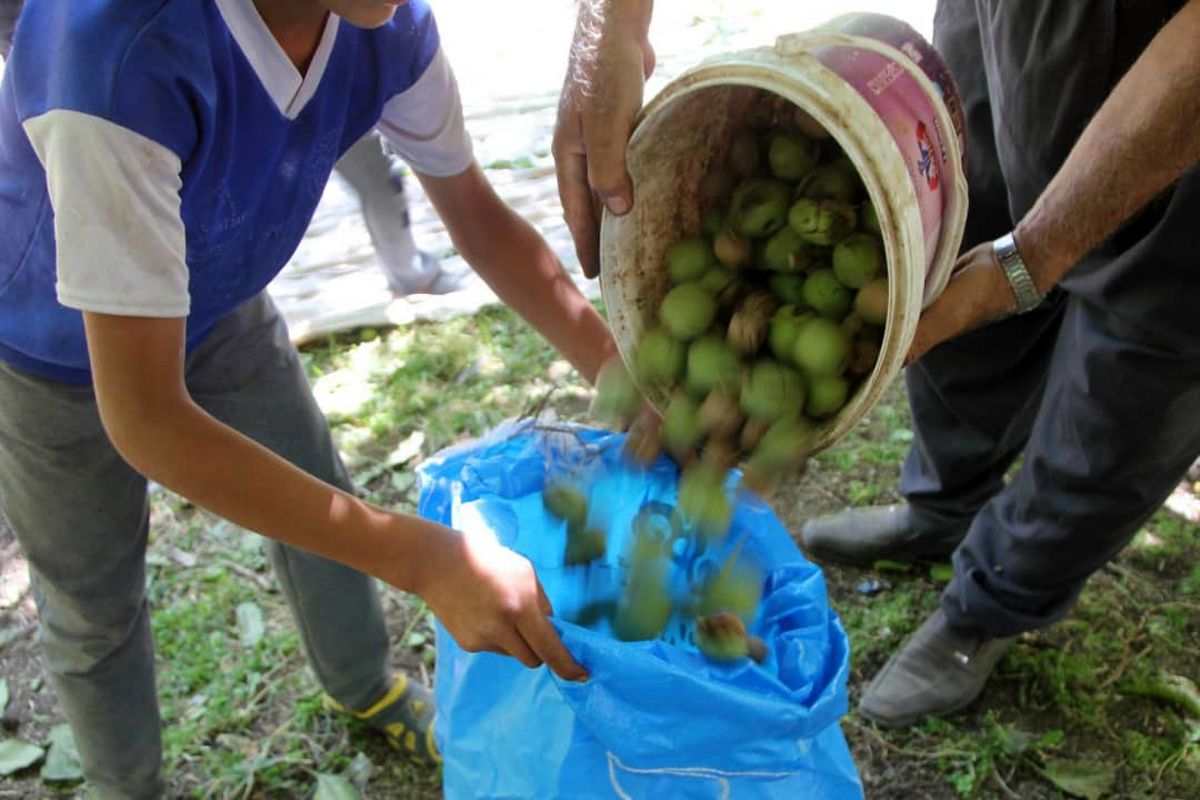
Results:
978 293
602 94
489 598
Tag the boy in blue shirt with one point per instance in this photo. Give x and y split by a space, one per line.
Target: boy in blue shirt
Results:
159 162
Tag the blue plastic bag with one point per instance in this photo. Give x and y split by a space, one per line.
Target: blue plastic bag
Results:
657 719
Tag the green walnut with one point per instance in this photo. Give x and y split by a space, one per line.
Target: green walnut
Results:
785 444
836 180
781 334
826 295
712 364
703 501
786 251
792 156
617 399
687 311
584 547
821 348
737 589
789 288
643 612
759 207
689 258
772 391
659 359
681 428
826 396
858 259
566 501
822 222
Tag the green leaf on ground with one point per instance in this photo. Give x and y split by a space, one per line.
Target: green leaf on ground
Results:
1084 779
885 565
3 694
16 755
335 787
250 624
941 573
1173 688
360 770
62 759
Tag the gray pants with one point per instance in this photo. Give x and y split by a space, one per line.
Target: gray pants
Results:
9 11
1099 387
81 516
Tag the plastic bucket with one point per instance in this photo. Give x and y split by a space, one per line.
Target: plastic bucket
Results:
887 98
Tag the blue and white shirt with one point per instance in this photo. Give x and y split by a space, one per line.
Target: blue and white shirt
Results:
163 158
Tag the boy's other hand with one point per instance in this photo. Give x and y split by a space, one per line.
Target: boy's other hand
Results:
489 599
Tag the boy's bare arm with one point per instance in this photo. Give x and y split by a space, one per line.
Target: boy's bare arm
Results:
522 269
487 596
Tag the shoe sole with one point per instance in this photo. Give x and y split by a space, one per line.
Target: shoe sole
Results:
912 719
842 561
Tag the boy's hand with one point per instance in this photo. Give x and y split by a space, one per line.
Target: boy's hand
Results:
489 598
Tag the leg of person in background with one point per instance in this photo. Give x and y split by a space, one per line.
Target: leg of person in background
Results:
9 11
379 186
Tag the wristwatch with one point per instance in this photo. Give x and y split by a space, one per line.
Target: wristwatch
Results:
1019 279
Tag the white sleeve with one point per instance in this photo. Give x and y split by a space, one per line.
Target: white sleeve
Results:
118 234
424 124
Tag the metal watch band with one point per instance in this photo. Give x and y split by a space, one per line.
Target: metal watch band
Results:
1019 279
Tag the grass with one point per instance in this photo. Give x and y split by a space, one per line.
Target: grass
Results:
243 716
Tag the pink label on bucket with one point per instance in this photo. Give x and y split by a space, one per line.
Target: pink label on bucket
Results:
904 107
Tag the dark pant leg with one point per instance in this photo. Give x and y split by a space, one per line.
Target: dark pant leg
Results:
1118 427
81 516
973 399
248 375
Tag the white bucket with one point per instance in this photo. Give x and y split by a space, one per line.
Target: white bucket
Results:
887 98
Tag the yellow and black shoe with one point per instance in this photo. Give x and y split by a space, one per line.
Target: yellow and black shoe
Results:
404 715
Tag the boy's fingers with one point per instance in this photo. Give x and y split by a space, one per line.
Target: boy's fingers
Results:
544 602
543 640
516 647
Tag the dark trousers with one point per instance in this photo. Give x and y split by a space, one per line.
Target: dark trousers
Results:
1099 389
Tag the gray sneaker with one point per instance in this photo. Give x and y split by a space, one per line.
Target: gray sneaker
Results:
938 671
862 536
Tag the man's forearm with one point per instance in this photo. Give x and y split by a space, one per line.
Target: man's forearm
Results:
1145 135
634 15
